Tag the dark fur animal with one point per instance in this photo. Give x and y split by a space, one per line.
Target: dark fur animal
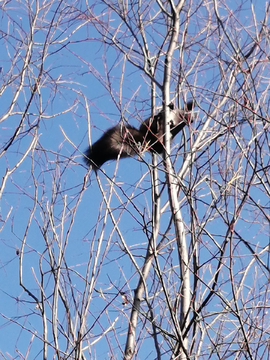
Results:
153 128
124 141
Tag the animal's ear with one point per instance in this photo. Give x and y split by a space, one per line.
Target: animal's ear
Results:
190 105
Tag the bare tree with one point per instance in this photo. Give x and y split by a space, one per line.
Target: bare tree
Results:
151 257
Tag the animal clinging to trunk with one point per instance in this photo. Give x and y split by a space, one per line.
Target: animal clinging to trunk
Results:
125 140
152 129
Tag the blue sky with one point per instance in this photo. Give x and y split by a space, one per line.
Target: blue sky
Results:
43 200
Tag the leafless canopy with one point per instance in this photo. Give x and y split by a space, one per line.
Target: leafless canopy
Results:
153 257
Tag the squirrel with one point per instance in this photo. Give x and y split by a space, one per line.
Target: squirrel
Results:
125 140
